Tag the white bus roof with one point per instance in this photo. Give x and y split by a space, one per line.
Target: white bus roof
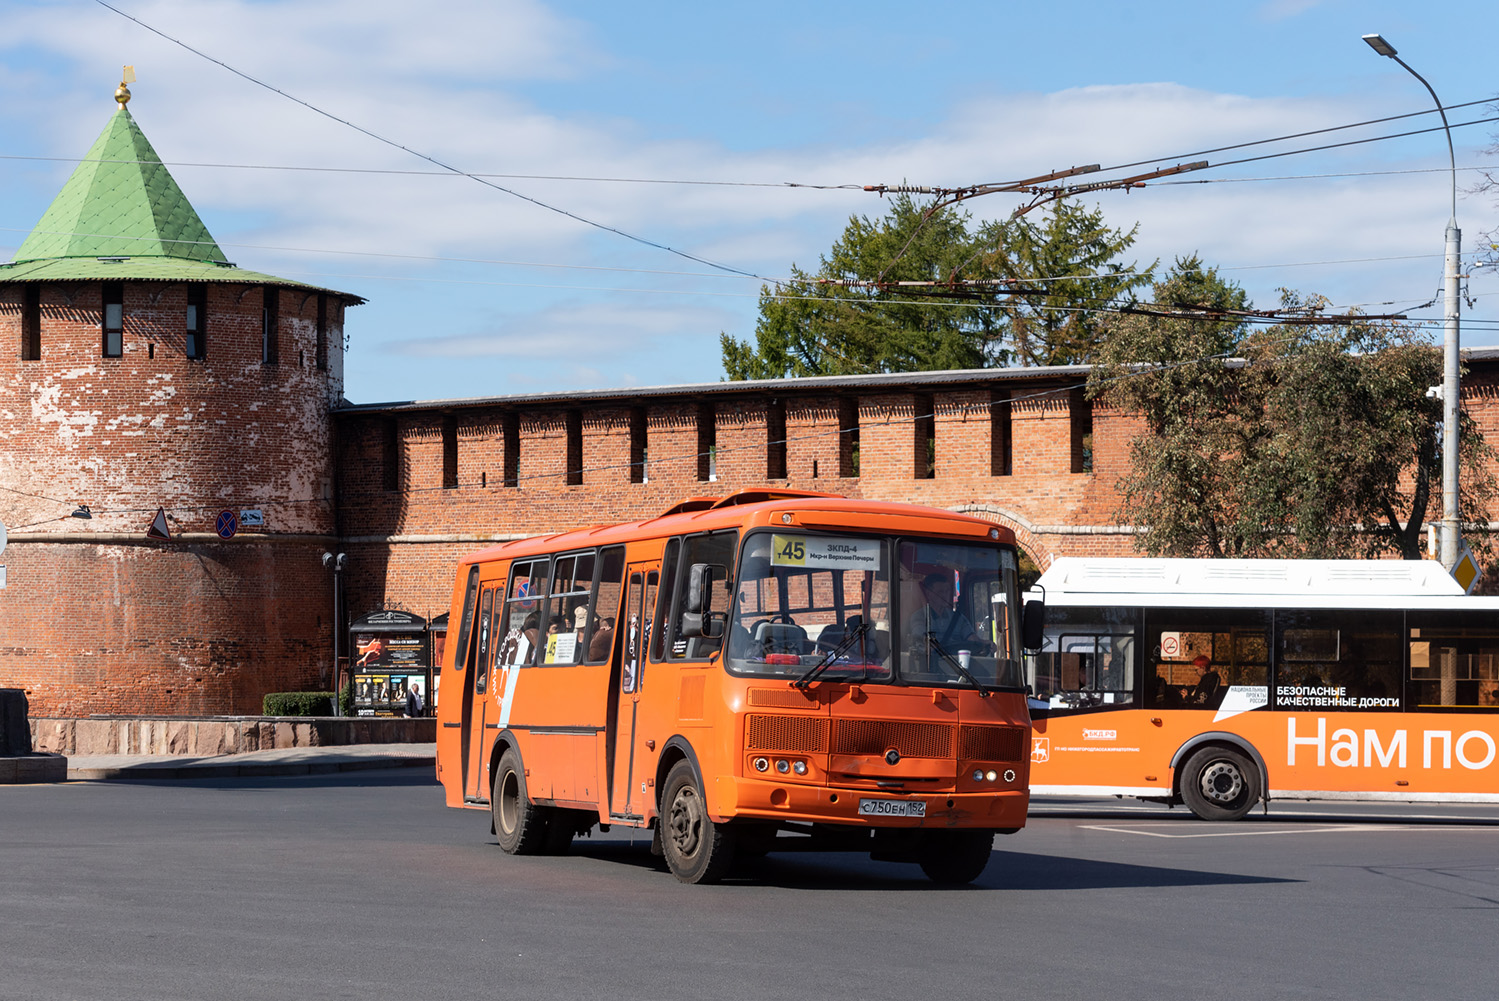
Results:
1073 580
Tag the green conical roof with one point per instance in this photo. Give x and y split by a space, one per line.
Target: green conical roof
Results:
120 202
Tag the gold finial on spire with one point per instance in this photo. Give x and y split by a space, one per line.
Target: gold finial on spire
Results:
122 95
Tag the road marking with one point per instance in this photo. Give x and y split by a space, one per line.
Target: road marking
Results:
1253 832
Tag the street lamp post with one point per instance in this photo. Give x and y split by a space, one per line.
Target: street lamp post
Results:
1451 525
336 564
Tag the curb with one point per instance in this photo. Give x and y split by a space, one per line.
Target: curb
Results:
26 769
208 770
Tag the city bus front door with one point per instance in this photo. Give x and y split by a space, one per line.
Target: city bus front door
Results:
475 697
625 798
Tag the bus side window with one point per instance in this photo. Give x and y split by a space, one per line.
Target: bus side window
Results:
470 595
603 612
671 572
486 629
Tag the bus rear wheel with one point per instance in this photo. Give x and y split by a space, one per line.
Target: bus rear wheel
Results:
1220 784
954 858
519 825
697 850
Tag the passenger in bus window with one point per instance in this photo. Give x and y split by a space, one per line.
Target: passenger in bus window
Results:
602 639
1205 692
1163 694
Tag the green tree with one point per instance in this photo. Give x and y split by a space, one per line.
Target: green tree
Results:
1309 441
1072 256
812 325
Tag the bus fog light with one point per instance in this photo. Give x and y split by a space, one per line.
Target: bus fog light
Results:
761 764
783 766
1009 775
978 775
991 775
800 767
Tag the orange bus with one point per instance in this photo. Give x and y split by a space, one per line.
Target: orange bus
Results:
1227 683
774 670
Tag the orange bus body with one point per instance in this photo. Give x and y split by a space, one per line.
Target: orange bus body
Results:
1331 680
596 752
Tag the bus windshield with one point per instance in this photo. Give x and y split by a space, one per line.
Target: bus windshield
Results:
821 607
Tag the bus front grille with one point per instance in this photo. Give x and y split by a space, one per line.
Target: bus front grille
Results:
912 740
786 733
993 743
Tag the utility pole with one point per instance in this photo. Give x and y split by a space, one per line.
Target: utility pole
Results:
1451 390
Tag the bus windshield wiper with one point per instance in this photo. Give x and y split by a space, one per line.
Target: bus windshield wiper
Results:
931 640
838 651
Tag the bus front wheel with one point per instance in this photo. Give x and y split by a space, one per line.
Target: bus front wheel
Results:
954 858
519 825
697 850
1220 784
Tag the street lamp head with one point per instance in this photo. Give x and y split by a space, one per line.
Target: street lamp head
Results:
1378 44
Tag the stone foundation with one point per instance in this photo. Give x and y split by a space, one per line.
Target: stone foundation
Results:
221 734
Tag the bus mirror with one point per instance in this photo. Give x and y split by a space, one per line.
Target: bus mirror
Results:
708 624
699 582
1033 624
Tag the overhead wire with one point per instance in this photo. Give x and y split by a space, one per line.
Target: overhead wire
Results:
424 156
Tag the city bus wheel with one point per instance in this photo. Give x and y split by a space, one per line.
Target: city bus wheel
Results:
697 850
519 825
1220 784
954 858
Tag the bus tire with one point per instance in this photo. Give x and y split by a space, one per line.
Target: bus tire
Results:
696 849
519 825
1219 783
955 858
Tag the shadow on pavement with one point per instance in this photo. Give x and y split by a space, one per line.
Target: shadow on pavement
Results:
849 871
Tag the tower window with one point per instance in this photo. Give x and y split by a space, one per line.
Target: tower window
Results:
114 319
197 322
270 322
322 332
31 324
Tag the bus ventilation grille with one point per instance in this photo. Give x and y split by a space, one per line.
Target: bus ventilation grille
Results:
912 740
783 698
992 743
786 733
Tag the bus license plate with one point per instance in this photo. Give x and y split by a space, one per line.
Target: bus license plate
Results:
892 808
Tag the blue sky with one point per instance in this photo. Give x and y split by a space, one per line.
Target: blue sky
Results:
474 292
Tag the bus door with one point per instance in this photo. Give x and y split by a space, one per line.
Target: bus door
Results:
640 597
475 696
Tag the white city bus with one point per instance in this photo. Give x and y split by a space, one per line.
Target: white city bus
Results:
1227 683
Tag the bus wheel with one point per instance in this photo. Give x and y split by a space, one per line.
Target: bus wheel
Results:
954 858
697 850
1220 784
519 824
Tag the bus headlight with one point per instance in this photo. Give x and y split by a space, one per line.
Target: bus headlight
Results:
783 766
800 767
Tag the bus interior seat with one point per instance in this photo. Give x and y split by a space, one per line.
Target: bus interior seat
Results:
780 637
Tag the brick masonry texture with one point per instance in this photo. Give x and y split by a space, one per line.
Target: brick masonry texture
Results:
98 620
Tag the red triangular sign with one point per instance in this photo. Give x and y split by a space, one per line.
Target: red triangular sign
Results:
158 528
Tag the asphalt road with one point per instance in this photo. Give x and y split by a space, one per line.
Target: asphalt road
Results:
364 886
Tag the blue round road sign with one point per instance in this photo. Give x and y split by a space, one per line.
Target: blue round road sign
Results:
226 524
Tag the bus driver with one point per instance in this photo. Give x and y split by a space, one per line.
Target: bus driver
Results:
937 628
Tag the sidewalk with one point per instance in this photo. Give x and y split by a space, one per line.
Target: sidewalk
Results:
282 761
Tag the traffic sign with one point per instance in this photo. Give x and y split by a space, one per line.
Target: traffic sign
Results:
158 528
226 524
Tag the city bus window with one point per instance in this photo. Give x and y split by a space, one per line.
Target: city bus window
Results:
717 551
470 594
953 632
669 577
1087 658
567 610
605 607
1337 660
486 630
1207 658
812 601
528 584
1454 660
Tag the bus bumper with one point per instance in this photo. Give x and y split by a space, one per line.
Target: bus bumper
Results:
758 799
